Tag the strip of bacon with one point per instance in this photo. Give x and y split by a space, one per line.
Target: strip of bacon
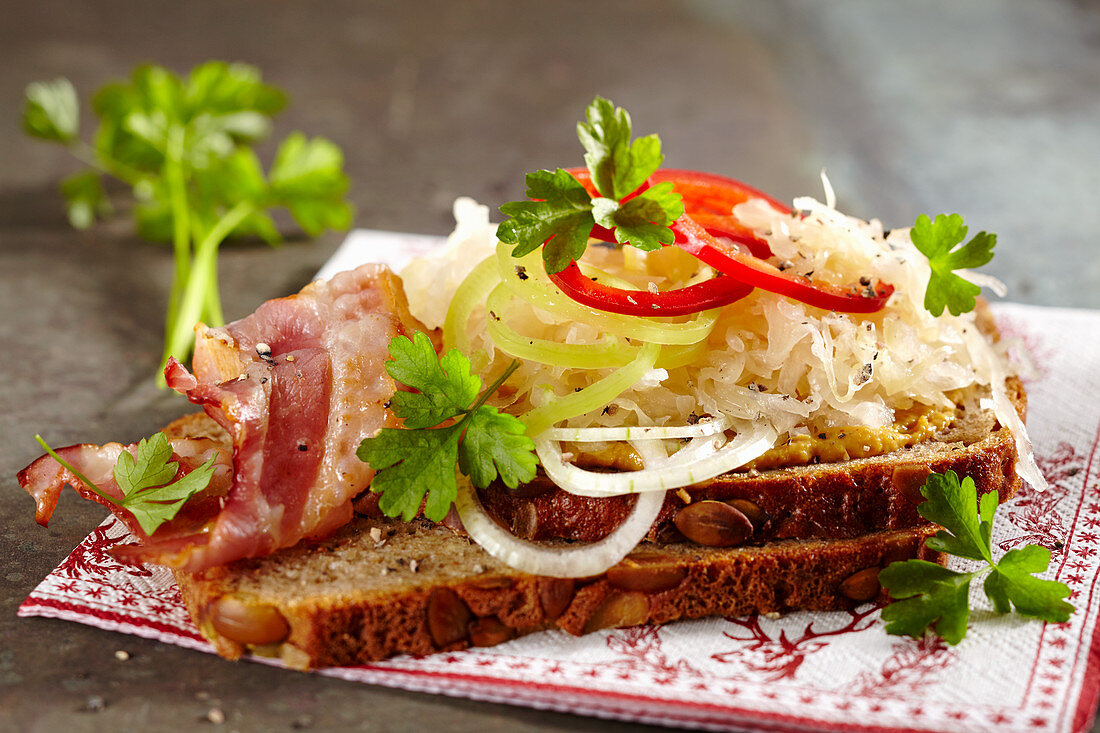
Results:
296 385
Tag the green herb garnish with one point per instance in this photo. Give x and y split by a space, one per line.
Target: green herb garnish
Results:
184 148
938 240
421 458
938 598
561 213
146 481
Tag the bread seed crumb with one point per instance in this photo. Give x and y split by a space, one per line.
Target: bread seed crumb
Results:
773 615
375 534
479 568
684 496
215 716
122 655
414 565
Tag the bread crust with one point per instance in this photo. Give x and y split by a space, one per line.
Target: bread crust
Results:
351 599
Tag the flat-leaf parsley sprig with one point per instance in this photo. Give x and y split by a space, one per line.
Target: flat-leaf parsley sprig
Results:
561 213
146 480
421 458
184 147
934 597
939 241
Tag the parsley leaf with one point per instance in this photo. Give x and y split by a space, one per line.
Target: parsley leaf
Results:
560 213
146 481
421 458
183 145
410 463
85 199
618 166
644 220
949 504
496 443
51 111
308 178
563 211
1012 581
933 596
446 386
936 597
938 240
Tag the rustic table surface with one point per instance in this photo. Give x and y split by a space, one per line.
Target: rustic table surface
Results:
991 109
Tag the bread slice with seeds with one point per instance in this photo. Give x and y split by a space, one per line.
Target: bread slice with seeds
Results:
378 588
819 535
839 499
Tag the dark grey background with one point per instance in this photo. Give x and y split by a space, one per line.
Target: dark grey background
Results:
990 109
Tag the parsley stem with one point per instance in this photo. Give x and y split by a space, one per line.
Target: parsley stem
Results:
211 313
73 470
181 228
106 165
212 305
196 292
484 396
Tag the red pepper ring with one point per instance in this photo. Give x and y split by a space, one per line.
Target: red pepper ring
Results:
711 198
703 193
696 240
708 198
713 293
728 226
709 193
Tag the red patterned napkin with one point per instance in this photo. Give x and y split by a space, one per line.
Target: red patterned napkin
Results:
800 672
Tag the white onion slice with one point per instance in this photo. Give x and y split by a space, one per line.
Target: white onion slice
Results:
705 426
563 561
702 459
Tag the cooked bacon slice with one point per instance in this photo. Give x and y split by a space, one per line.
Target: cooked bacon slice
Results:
296 385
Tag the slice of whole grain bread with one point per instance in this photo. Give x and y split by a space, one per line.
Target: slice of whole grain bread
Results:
822 500
380 587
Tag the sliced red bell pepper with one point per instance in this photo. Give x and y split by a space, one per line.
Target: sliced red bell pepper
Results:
708 204
696 240
730 227
712 293
703 193
711 193
708 198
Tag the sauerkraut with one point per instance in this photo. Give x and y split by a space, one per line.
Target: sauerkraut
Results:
763 360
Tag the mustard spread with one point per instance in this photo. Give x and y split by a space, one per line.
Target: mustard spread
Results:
833 445
613 456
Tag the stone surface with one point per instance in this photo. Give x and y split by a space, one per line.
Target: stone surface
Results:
985 108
